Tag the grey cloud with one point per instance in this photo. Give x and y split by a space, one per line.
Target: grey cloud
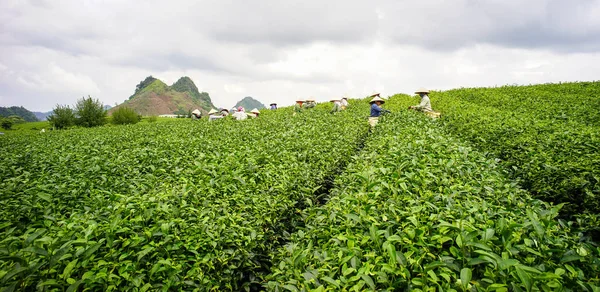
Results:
291 22
172 60
567 26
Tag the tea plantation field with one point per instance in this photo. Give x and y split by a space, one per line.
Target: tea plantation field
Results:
486 198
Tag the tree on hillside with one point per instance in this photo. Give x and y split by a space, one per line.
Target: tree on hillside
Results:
90 112
62 117
142 85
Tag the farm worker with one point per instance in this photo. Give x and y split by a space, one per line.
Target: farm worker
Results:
310 103
337 106
233 110
196 114
240 114
344 102
214 114
273 106
224 112
298 106
425 105
254 113
376 110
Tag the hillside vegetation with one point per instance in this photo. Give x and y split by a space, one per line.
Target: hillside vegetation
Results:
18 111
154 97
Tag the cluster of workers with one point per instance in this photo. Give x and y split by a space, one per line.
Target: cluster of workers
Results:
238 113
424 106
338 105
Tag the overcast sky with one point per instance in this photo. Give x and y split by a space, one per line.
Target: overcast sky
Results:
54 52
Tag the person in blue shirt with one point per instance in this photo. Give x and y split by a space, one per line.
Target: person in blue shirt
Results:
376 110
273 106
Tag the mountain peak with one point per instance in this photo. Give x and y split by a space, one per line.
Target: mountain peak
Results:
249 102
184 84
154 97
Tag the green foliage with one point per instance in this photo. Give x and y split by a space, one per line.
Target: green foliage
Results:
18 111
269 204
62 117
6 123
420 210
173 205
124 115
152 119
90 112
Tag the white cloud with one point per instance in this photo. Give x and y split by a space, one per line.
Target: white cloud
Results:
56 52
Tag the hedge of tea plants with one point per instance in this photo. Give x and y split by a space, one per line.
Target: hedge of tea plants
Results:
179 205
547 135
420 210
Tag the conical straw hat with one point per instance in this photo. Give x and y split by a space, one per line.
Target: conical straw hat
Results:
334 100
255 111
377 98
272 104
299 100
311 100
422 90
374 93
196 112
212 111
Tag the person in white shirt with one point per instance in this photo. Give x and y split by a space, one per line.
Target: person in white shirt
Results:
425 105
214 114
344 102
240 114
337 106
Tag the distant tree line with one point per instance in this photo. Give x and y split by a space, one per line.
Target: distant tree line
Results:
89 112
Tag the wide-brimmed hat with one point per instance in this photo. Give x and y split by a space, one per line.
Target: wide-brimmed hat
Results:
311 100
299 100
344 97
255 111
374 93
212 111
422 90
224 109
335 99
196 112
377 98
272 104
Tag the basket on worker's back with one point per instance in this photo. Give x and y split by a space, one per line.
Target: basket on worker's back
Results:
434 115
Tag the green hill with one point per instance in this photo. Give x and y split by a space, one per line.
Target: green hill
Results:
250 103
154 97
18 111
